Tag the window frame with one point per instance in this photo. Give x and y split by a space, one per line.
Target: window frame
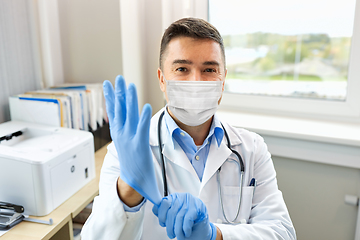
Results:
347 110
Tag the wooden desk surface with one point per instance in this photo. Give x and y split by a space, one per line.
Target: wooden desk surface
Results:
62 214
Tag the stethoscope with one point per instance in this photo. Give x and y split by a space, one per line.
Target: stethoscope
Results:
239 162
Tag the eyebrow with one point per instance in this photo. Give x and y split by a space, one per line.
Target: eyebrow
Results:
184 61
210 63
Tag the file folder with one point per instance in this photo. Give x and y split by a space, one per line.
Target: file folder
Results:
38 110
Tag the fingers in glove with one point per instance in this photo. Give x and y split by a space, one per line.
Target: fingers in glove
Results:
120 100
171 215
144 123
162 210
132 110
109 100
155 210
179 223
190 216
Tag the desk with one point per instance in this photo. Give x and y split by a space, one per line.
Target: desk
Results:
62 216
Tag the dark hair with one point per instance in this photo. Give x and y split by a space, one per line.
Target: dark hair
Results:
190 27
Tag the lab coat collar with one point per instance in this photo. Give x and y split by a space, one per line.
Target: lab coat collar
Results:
234 138
218 155
171 126
154 129
178 157
217 129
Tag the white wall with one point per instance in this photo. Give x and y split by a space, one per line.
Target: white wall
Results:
153 31
90 40
141 30
92 44
314 194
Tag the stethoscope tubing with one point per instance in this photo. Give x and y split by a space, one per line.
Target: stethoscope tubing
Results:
221 200
240 162
162 155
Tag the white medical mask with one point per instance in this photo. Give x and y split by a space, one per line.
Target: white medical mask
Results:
193 102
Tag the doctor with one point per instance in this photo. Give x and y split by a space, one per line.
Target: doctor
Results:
220 181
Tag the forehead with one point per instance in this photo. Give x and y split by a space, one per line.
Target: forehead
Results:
196 50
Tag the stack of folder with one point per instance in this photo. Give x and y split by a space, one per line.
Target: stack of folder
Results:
71 106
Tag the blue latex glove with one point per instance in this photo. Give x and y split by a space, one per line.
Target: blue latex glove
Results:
185 217
131 138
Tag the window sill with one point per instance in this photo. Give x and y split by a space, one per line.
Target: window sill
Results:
310 140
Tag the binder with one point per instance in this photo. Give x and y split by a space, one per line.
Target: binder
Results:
78 106
95 101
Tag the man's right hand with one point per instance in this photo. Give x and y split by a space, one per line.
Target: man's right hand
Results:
185 217
130 135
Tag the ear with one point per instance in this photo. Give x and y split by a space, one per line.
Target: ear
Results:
161 80
223 86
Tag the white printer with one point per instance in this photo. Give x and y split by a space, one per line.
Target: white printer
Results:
43 166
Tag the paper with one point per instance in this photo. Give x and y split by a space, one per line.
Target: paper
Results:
2 232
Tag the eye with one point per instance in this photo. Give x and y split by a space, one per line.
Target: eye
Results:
181 69
210 70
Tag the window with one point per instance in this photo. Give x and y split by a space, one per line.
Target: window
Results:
290 56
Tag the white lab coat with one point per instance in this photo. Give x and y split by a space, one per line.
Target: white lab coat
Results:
264 212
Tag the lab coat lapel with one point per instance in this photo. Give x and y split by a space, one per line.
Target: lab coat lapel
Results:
171 152
216 157
178 156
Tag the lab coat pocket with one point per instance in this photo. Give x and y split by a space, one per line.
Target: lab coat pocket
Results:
231 203
246 203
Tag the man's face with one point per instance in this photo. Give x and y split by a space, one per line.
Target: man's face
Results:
189 59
